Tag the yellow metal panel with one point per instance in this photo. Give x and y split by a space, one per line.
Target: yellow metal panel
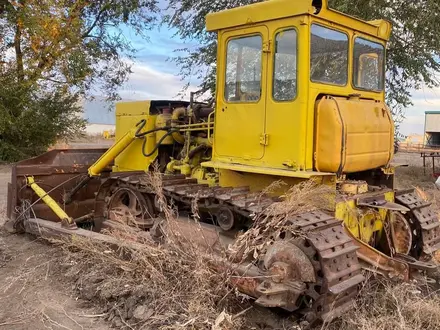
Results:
260 182
347 213
316 90
239 125
361 222
267 170
353 135
281 135
256 13
286 120
128 114
279 9
256 182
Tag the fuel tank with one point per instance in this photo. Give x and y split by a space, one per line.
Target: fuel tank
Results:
352 135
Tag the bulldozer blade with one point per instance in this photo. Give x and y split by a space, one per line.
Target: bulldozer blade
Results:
57 172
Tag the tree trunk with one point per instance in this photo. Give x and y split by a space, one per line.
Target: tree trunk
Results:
18 50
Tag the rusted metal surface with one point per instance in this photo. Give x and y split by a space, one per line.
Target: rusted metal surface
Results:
284 260
57 172
246 284
225 218
313 269
129 206
401 234
379 202
424 223
320 274
333 254
379 262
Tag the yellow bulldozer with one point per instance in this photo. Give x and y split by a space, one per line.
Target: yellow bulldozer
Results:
300 98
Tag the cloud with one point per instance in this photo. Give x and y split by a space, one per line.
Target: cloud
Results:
414 123
147 82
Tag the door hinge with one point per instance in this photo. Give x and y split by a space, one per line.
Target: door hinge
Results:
267 46
264 139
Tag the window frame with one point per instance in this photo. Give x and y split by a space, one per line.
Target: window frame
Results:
383 75
348 55
226 67
283 29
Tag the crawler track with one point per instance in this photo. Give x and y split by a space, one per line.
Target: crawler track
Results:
424 223
330 250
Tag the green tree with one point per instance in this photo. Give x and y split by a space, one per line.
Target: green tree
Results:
73 43
32 119
413 50
54 52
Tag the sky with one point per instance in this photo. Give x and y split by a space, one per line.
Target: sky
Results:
424 100
155 76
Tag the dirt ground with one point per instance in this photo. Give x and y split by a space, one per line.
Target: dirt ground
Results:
33 293
36 294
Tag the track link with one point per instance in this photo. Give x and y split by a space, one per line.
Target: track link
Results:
424 222
331 251
333 254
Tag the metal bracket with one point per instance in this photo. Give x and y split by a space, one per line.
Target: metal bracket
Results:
416 264
280 295
381 203
267 46
264 139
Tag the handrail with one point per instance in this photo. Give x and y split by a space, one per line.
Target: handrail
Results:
209 130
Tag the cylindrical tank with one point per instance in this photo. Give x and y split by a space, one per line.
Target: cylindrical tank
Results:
352 135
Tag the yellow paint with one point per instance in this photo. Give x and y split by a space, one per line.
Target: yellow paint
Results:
175 118
363 223
256 182
114 151
279 9
128 114
352 135
354 188
107 135
49 201
280 135
268 171
163 120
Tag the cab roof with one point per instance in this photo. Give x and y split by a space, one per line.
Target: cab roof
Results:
279 9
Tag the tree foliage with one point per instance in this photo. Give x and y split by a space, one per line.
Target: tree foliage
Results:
73 43
32 119
413 51
54 52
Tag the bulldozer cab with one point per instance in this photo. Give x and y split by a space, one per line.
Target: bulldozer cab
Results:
275 60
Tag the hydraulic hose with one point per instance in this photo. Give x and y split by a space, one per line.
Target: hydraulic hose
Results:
140 125
170 132
100 164
139 135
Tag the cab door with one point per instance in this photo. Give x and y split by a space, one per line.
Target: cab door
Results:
286 116
241 99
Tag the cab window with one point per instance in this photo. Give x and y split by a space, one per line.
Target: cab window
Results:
243 69
368 65
285 71
329 56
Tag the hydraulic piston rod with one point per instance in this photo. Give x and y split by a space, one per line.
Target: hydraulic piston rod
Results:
66 221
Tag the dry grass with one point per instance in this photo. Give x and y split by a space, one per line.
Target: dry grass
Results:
383 305
154 287
302 198
145 285
149 286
